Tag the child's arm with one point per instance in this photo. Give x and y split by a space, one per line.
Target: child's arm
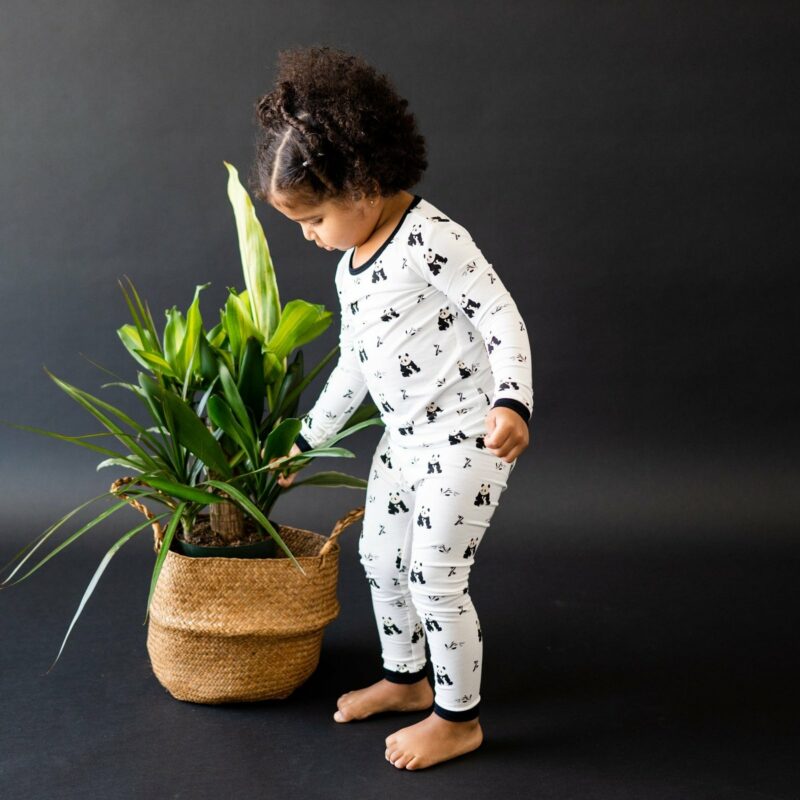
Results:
340 396
454 264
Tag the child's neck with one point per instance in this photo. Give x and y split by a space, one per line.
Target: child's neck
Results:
393 209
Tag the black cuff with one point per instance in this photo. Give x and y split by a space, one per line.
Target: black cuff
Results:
520 408
302 443
404 677
457 716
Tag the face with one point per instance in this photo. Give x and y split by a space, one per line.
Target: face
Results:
331 225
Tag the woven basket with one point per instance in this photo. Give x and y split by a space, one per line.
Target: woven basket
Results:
225 630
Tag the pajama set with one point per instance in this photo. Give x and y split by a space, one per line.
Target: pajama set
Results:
429 330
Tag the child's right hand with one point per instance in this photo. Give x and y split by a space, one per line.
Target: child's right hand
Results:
286 480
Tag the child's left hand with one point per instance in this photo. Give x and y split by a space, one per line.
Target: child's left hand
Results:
506 433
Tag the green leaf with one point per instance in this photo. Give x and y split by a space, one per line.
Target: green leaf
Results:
251 379
330 479
89 402
133 343
300 323
88 526
152 360
248 506
162 553
173 335
42 537
180 491
221 415
188 428
99 572
281 439
278 411
259 272
187 354
234 399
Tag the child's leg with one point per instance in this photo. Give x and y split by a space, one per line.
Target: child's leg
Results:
451 514
384 548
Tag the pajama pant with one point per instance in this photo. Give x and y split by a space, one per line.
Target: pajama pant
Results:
426 512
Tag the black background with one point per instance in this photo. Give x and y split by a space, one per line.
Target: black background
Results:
630 171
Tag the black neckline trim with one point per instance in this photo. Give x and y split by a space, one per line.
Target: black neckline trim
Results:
367 264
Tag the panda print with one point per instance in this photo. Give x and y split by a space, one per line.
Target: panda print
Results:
424 517
431 624
415 575
468 305
471 548
442 676
396 504
418 635
415 235
434 466
431 410
389 314
483 497
509 384
389 626
434 261
445 318
407 366
463 370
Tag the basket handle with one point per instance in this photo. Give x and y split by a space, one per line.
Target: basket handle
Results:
158 531
345 522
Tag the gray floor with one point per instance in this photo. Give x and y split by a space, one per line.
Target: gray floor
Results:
620 671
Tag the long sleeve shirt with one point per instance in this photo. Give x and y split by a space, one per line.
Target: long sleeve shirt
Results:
431 332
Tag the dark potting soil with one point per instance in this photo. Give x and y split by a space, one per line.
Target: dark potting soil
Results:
202 534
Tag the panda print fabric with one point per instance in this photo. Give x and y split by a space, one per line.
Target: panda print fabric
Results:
426 323
429 330
426 514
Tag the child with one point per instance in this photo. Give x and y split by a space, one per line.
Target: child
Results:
429 330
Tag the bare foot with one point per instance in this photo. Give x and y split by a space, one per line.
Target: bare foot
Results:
432 740
384 696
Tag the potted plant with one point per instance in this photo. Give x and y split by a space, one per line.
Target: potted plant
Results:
222 418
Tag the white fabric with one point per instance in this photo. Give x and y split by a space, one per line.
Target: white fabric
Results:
429 329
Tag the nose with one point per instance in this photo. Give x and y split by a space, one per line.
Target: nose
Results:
307 234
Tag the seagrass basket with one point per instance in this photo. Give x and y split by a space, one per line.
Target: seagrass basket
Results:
224 630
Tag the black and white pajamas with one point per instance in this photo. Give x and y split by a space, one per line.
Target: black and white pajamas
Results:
429 330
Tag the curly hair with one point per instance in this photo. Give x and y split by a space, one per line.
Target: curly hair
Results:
333 127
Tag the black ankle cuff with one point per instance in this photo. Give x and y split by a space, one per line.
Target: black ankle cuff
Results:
456 716
404 677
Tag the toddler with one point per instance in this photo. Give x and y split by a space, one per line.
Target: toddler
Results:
429 330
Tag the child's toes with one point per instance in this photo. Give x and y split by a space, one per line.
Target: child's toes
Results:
402 760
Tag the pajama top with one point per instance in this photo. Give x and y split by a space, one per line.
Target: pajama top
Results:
429 330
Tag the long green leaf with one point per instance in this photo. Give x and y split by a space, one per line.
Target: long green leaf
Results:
259 272
88 402
279 411
189 493
248 506
162 553
330 479
99 572
251 379
221 415
46 534
89 525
